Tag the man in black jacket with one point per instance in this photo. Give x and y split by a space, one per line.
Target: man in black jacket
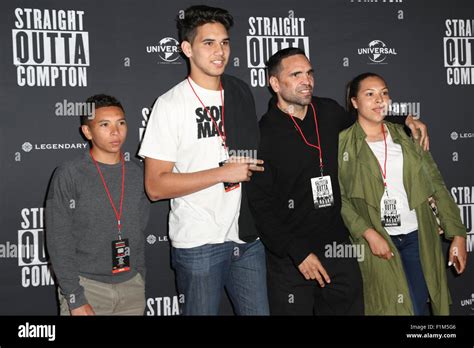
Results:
194 137
296 200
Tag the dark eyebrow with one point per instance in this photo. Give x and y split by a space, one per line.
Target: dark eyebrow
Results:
299 72
121 119
373 89
211 40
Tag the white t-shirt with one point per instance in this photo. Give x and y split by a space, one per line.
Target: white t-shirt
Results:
395 186
179 130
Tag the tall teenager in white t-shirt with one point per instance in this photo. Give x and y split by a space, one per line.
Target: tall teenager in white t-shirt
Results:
193 131
387 184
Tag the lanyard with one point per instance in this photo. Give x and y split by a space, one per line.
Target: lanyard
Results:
117 215
384 170
221 134
318 147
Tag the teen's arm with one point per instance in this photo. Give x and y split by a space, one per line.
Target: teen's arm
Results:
162 183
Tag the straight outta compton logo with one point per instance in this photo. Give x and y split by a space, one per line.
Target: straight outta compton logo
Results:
50 48
458 51
464 197
267 35
32 257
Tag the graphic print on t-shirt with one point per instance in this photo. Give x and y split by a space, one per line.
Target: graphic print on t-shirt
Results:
206 128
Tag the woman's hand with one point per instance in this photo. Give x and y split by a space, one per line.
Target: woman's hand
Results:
458 254
378 245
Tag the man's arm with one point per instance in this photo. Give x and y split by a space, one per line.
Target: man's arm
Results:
418 129
162 183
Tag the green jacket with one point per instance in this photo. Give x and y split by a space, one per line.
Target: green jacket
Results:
385 285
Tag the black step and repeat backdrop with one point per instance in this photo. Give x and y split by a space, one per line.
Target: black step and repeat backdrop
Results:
56 53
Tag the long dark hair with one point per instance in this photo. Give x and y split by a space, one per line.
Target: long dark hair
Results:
353 88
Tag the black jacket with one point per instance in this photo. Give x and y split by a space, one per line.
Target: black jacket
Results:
241 127
281 197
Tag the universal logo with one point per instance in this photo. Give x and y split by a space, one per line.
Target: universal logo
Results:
377 51
456 135
168 50
468 302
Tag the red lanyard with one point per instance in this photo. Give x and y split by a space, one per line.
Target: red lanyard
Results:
222 135
384 170
318 147
117 215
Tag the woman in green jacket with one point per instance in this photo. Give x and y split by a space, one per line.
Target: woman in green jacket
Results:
386 181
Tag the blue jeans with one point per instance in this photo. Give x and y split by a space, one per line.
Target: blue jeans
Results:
203 272
408 246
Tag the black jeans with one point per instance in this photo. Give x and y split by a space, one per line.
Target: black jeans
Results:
289 293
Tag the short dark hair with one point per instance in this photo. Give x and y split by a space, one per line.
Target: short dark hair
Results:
195 16
353 88
100 101
274 63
